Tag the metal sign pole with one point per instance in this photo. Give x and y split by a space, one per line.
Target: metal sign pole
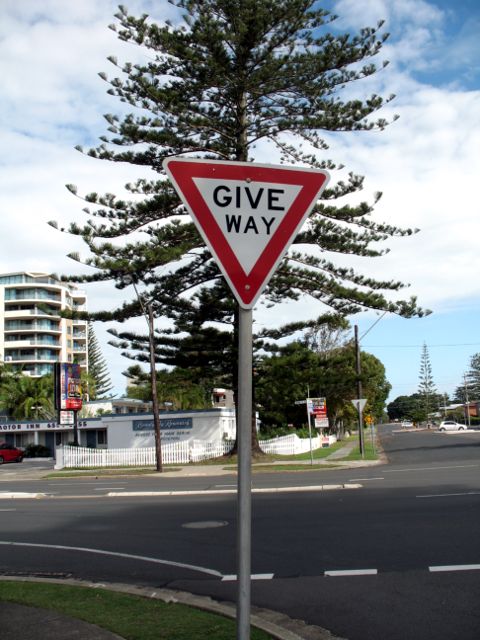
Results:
244 515
75 428
309 426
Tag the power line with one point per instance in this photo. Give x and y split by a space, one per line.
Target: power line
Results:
417 346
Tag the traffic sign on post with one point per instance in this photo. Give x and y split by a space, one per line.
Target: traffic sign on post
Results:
359 403
248 214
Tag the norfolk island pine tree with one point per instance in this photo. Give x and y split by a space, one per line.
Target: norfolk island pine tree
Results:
231 75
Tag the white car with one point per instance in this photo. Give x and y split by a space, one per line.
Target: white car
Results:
451 425
407 424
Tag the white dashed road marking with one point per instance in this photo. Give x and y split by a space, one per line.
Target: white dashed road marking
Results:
255 576
351 572
455 567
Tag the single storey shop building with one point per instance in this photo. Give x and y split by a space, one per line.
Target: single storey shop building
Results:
124 431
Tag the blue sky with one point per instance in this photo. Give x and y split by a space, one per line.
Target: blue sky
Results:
426 164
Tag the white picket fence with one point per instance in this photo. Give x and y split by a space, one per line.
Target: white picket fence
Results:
292 444
175 452
172 453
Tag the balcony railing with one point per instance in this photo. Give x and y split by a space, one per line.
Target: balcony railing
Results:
33 342
32 358
31 326
32 295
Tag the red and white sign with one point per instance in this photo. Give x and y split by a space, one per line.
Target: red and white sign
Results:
248 214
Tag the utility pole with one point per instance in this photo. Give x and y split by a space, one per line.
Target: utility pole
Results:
361 443
467 401
148 315
153 381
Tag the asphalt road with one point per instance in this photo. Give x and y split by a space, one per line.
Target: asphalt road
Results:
396 558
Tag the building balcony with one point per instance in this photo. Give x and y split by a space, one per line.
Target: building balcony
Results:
12 296
30 358
28 313
32 342
33 326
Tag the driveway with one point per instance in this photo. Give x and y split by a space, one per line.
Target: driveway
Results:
29 469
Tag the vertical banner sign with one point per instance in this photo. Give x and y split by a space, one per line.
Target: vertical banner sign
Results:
68 387
248 215
318 409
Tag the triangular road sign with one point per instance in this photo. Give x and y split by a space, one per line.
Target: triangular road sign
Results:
248 214
359 403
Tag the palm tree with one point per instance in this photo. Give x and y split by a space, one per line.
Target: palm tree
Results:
26 398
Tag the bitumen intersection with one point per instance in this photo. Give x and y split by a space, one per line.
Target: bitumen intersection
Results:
19 622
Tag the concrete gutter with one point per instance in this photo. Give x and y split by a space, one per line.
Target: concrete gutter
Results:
278 625
20 494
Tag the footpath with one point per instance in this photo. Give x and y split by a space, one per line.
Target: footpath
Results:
44 623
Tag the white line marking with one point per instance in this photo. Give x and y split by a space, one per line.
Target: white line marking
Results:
254 576
446 495
109 488
455 567
457 466
208 492
352 572
7 509
115 554
364 479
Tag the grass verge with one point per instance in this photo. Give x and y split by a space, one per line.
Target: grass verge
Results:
371 452
132 617
99 471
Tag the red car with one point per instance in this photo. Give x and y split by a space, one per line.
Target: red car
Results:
9 453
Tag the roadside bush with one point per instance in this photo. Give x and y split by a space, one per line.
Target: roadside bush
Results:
37 451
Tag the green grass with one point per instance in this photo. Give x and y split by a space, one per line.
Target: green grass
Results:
323 452
370 452
132 617
292 467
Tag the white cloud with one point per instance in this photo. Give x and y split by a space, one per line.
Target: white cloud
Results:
427 163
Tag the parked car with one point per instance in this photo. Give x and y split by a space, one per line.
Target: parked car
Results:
451 425
9 453
407 424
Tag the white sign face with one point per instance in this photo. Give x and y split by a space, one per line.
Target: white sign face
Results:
67 417
359 403
247 213
321 423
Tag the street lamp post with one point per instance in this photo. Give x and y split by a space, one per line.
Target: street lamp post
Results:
148 314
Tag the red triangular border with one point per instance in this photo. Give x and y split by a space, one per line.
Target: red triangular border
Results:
247 288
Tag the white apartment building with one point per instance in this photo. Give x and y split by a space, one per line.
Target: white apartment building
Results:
32 334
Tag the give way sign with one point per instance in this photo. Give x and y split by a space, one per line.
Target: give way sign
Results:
248 214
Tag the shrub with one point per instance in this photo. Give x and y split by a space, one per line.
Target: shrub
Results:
37 451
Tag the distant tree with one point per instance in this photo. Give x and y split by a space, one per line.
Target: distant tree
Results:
413 407
97 368
470 385
426 387
294 370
